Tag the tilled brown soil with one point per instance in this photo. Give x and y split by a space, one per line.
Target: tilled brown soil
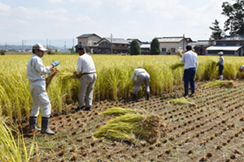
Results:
211 129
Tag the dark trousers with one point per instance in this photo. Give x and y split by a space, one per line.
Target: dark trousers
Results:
221 68
189 76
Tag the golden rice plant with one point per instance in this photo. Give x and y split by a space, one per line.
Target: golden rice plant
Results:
113 78
13 148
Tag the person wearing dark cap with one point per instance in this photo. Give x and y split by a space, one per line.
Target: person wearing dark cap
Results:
36 72
85 68
221 65
190 61
140 75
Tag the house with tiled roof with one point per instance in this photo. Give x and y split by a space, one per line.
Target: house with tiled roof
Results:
112 45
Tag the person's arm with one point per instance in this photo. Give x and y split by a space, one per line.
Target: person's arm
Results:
183 59
38 64
133 76
79 66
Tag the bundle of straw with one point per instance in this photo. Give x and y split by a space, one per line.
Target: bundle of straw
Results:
221 83
176 66
117 111
131 127
181 101
50 78
67 76
179 53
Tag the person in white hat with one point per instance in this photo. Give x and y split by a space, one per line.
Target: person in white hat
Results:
241 68
221 65
36 72
140 75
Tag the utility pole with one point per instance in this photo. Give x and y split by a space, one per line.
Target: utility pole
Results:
183 42
111 43
64 45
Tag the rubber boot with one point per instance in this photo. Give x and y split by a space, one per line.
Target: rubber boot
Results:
79 108
148 95
45 128
221 77
135 97
87 109
32 123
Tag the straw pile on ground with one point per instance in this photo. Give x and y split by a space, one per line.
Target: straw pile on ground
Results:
181 101
132 126
221 83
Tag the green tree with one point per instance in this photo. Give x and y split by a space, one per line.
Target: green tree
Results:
135 48
155 49
234 13
217 32
2 52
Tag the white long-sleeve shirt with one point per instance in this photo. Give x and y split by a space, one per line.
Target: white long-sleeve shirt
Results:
221 60
85 64
36 71
136 72
189 59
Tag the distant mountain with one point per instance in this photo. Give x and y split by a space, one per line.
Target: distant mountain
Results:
58 44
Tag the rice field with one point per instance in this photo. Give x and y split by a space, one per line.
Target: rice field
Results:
206 127
113 81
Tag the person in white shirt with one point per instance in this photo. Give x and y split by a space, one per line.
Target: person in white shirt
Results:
140 75
189 59
36 72
85 67
221 65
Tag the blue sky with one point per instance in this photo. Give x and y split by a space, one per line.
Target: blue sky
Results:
61 21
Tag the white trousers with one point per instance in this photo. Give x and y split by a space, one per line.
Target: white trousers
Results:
143 77
40 99
87 83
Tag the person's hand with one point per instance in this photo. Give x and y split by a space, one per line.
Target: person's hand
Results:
55 63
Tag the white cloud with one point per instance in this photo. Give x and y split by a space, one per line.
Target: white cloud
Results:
4 9
56 1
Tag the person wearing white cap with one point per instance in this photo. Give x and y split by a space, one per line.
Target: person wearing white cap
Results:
140 75
36 72
241 68
85 67
221 65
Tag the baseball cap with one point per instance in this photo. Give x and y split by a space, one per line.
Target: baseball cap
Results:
81 47
39 46
221 53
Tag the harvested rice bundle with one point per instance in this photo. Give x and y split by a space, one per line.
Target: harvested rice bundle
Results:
221 83
176 66
181 101
117 111
67 76
128 118
50 78
179 53
132 127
